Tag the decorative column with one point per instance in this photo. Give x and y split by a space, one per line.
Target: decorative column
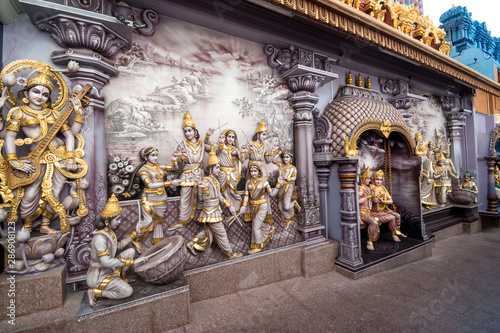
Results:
350 247
403 98
304 71
455 115
492 195
90 40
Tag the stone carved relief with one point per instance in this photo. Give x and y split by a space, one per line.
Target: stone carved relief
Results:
308 82
359 92
285 59
322 126
449 103
394 87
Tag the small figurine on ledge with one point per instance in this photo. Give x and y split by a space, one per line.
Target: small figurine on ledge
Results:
106 274
365 207
211 214
381 210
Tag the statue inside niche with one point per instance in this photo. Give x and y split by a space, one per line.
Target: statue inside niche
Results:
106 274
442 179
381 201
211 214
192 153
497 181
365 207
54 144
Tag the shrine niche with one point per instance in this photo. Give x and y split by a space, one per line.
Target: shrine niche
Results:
368 138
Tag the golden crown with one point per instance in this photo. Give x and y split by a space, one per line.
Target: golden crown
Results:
377 174
43 78
213 159
441 157
112 208
262 127
365 173
256 166
188 121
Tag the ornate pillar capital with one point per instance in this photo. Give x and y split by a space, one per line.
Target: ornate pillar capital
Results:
403 98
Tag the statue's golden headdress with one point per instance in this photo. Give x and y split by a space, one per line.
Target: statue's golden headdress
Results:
441 157
188 121
377 174
213 159
256 166
262 127
286 152
418 137
43 78
496 169
364 173
112 208
144 152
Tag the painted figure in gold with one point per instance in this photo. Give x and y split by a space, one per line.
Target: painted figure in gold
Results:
106 274
286 188
365 196
192 152
381 201
35 124
210 216
427 186
154 197
257 208
257 151
231 158
442 178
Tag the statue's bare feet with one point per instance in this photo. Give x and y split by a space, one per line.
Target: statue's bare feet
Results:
369 246
190 247
47 230
236 255
396 238
252 251
92 300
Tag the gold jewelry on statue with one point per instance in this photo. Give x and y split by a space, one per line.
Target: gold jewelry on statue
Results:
11 156
167 184
112 208
79 118
42 78
244 204
207 137
365 173
25 100
188 121
174 162
377 174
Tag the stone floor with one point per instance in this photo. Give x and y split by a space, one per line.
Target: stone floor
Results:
455 290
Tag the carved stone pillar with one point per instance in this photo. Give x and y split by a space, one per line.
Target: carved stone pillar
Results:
304 71
403 98
89 40
350 247
492 195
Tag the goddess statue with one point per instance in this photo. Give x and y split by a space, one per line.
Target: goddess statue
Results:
257 151
49 138
442 178
257 192
230 167
286 186
365 208
191 151
381 210
106 274
154 196
427 187
209 190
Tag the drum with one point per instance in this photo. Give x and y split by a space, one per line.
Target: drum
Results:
164 266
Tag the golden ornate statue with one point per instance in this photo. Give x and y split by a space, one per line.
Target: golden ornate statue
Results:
365 207
55 148
257 150
421 146
427 186
286 186
381 201
211 215
442 179
106 274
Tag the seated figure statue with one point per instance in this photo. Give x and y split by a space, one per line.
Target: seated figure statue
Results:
106 274
381 210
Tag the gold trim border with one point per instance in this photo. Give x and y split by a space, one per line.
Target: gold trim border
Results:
341 17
